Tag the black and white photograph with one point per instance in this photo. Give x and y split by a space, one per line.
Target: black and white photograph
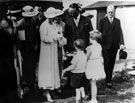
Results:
67 51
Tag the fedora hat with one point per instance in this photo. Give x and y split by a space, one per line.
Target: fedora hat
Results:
14 10
29 11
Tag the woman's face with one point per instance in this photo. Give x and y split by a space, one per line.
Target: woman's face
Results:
51 20
57 19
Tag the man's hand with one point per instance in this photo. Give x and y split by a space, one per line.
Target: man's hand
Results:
122 46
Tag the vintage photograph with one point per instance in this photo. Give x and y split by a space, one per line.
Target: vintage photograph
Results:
67 51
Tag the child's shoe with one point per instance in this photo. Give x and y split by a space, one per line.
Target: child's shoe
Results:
77 101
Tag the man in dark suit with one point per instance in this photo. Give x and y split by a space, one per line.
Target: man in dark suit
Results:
112 38
77 27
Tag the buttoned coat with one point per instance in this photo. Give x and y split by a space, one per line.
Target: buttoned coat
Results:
111 33
73 32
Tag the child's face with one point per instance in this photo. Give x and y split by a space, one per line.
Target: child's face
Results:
91 40
93 37
76 48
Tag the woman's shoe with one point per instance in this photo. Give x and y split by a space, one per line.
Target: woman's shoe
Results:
50 100
48 97
93 101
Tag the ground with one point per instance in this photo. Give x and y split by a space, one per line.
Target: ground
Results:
123 90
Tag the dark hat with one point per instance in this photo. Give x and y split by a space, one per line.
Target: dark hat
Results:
77 6
122 54
14 9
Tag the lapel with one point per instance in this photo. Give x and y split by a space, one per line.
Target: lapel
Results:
114 21
73 24
109 23
81 23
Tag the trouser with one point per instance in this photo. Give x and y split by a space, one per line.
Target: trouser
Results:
29 63
60 62
8 79
109 61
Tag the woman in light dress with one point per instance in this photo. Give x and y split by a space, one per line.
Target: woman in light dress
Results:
51 35
94 68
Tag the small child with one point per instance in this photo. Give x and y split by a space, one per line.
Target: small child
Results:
94 68
77 68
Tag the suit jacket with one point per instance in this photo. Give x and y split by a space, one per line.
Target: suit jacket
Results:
72 32
112 35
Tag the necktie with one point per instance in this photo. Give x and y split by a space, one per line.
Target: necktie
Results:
76 22
111 20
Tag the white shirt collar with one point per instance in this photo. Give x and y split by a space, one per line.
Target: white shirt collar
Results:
78 18
111 18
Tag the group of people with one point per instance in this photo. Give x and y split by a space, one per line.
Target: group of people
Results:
18 48
40 41
97 60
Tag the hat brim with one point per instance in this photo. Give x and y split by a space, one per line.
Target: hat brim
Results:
59 14
12 17
30 14
15 11
52 15
48 15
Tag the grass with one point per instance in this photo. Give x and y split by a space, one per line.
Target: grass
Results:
123 91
